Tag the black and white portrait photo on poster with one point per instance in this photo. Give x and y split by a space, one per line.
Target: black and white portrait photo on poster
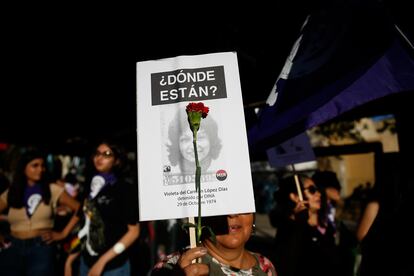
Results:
178 149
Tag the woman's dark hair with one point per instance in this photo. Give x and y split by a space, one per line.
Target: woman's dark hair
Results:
326 179
286 206
19 182
287 186
179 124
4 182
120 166
119 154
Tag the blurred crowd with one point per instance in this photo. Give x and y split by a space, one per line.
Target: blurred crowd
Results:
318 232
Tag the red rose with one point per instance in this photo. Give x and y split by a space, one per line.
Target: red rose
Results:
198 107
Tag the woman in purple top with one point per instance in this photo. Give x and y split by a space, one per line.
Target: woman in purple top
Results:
32 201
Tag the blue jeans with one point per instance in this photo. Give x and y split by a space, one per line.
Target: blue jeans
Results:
27 257
123 270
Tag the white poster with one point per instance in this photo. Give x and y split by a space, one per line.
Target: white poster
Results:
166 163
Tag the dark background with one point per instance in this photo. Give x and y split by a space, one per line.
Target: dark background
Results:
68 73
68 77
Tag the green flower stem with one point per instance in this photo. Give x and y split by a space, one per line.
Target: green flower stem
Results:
198 188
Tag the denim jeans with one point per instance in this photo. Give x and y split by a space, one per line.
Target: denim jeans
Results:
27 257
123 270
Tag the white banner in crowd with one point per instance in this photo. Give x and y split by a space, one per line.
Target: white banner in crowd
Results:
166 166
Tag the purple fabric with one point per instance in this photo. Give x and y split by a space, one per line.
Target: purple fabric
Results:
99 182
347 54
110 178
32 198
391 73
295 150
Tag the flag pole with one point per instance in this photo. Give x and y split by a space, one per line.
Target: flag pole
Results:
295 175
404 36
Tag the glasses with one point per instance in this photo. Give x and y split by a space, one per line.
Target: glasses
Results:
312 189
105 154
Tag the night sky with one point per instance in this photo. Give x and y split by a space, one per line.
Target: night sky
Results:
71 73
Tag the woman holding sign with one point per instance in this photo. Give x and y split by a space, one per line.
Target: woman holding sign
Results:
31 201
225 256
305 242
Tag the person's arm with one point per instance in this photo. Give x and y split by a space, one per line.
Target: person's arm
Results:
368 217
3 206
3 201
67 200
68 263
127 239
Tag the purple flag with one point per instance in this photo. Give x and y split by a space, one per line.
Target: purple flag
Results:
295 150
345 56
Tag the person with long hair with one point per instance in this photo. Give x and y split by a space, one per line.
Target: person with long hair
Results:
110 216
32 201
304 242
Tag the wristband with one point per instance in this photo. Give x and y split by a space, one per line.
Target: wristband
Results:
119 248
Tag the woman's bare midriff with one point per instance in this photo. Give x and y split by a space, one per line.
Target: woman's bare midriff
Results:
24 235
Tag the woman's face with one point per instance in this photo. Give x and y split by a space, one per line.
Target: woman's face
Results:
187 148
239 231
34 170
104 159
312 194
